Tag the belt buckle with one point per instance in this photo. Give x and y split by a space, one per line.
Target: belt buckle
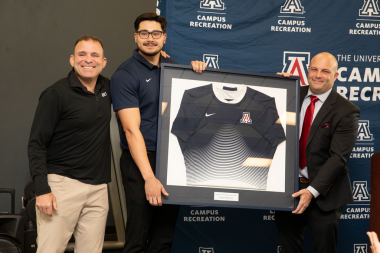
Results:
304 180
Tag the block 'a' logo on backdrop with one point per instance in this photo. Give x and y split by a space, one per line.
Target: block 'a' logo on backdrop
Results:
363 131
370 9
360 248
212 5
297 63
211 60
292 7
206 250
360 191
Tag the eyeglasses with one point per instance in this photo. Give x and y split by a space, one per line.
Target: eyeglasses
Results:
144 34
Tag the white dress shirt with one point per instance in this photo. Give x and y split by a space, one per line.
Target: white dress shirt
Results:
306 102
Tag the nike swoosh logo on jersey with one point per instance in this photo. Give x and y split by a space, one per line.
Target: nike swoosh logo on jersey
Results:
208 115
147 80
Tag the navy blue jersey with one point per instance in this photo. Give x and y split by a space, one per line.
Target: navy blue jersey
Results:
231 136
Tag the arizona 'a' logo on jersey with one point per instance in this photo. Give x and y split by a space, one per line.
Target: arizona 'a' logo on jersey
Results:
297 63
211 60
212 4
360 248
370 9
246 118
206 250
363 131
292 6
360 191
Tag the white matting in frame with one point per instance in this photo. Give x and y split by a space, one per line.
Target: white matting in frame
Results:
176 171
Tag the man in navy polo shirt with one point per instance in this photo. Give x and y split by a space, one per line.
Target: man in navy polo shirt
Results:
135 93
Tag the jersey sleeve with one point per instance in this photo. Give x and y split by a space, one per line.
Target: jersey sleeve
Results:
268 123
189 118
124 90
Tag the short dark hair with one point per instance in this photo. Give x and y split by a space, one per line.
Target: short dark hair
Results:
151 17
87 38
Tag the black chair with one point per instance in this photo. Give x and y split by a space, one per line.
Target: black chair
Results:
11 228
29 213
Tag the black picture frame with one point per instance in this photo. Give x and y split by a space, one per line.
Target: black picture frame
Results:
169 170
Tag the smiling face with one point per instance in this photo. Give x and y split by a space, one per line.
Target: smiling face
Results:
322 73
149 46
88 61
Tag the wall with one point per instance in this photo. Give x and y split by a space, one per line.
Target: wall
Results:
37 39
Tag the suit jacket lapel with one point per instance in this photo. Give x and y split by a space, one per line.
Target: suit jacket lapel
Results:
303 93
325 109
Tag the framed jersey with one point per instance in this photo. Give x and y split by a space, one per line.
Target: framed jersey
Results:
228 138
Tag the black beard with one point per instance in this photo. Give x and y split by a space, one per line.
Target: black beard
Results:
146 53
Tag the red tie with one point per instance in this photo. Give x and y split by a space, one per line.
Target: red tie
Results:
306 129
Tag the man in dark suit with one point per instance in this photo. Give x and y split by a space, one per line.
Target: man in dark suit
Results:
328 131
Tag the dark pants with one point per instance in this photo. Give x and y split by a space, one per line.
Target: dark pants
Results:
149 228
323 226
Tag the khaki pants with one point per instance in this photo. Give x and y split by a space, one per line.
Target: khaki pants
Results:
82 211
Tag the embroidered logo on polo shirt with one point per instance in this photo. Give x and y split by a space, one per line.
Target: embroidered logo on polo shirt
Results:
147 80
104 94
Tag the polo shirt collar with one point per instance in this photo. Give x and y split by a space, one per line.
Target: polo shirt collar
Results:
142 60
76 83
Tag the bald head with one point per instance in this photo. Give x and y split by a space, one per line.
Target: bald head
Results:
322 73
324 56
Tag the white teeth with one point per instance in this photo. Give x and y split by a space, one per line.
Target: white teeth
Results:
88 67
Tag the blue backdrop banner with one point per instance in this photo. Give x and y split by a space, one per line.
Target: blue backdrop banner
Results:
274 36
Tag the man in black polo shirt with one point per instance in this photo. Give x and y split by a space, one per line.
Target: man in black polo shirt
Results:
69 154
135 91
